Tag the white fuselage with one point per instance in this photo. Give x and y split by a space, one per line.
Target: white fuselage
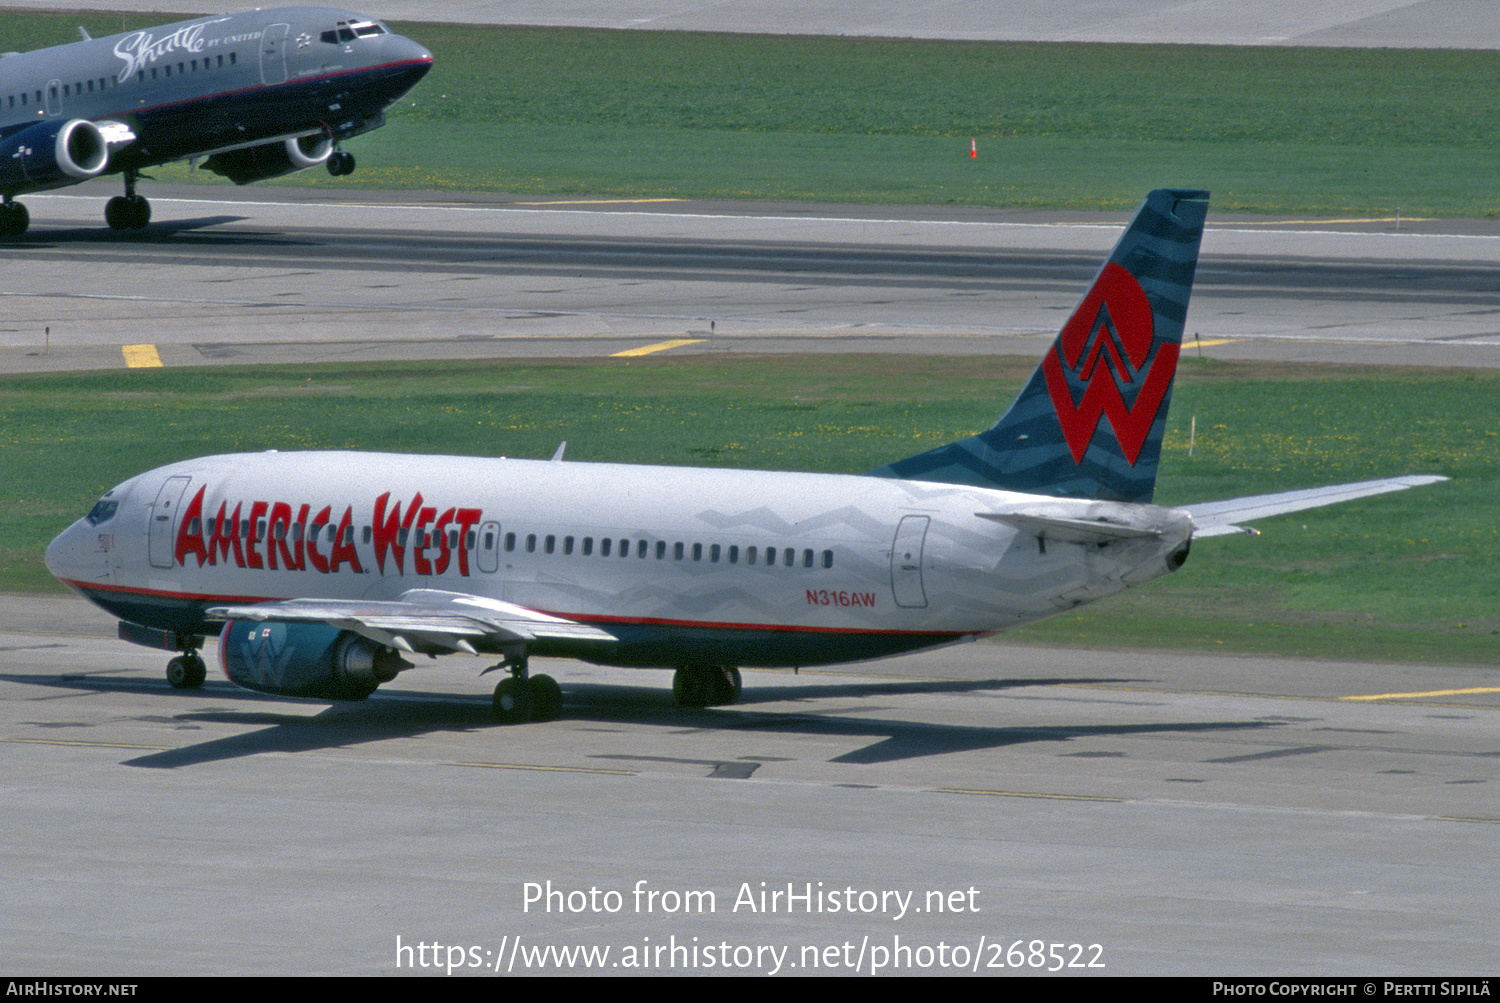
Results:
682 564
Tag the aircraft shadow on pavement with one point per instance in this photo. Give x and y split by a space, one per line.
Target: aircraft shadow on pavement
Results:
199 230
408 714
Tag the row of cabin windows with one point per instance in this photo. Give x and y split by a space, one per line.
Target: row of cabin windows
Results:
82 87
713 553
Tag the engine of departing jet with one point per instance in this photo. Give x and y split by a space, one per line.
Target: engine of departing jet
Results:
305 660
271 160
52 154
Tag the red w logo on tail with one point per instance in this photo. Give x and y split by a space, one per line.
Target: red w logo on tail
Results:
1105 344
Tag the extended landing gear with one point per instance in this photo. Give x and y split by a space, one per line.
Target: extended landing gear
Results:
696 686
340 163
129 211
524 697
14 219
186 671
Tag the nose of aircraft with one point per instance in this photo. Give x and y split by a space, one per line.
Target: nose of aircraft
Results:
70 557
404 50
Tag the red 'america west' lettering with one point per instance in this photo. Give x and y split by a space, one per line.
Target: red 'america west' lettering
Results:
274 537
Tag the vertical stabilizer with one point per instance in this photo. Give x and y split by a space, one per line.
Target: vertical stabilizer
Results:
1090 422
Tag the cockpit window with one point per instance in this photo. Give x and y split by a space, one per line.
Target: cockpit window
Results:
103 511
347 31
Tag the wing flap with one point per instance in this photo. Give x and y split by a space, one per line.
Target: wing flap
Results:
424 620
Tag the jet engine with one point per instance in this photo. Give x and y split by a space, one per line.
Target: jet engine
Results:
305 660
271 160
52 154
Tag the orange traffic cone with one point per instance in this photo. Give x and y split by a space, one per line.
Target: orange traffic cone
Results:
973 149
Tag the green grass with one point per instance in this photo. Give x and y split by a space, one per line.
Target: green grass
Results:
1405 576
699 115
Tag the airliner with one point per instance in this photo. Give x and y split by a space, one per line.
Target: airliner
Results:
254 95
325 573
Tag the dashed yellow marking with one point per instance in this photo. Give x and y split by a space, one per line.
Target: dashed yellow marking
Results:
141 356
1208 342
87 745
660 346
598 202
550 769
1228 224
1024 794
1429 693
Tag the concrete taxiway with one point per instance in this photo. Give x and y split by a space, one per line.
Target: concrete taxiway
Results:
299 275
1164 813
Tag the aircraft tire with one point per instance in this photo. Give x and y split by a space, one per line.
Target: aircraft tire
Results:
726 685
127 212
546 698
14 219
513 701
692 687
186 672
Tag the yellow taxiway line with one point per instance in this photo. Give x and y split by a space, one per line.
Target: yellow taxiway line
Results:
660 346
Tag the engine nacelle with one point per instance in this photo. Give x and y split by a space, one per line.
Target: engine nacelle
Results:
305 660
271 160
51 155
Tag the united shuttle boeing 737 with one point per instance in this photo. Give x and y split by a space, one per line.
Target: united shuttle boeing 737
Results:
258 94
322 571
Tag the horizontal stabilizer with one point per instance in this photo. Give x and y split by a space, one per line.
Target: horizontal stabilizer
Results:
1221 518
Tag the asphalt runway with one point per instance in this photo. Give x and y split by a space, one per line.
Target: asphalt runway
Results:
279 274
1147 813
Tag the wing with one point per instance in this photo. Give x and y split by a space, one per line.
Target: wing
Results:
429 621
1220 518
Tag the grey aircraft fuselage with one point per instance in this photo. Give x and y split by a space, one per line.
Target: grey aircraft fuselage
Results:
256 94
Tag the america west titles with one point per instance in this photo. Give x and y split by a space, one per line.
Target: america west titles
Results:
290 536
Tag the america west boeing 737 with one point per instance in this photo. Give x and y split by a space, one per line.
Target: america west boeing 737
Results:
258 94
322 571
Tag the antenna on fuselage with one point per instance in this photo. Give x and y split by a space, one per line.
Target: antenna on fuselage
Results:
557 456
84 34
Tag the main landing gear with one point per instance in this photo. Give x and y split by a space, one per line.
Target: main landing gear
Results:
186 671
696 686
524 697
14 219
129 211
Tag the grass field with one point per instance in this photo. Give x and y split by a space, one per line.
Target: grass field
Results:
695 115
1407 576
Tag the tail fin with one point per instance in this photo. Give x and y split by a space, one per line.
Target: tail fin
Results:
1114 360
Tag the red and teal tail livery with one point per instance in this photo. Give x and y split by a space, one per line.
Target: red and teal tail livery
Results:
1090 422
